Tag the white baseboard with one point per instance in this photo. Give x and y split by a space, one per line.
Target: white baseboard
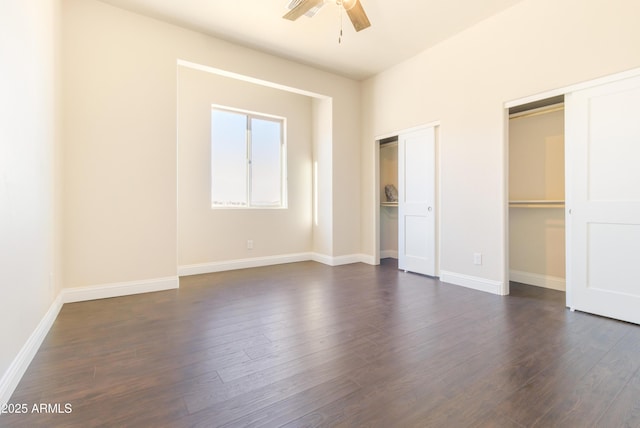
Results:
386 254
343 260
365 258
105 291
474 282
21 362
200 268
546 281
321 258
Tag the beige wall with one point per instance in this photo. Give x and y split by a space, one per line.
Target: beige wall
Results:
119 133
210 235
120 140
535 46
28 166
323 177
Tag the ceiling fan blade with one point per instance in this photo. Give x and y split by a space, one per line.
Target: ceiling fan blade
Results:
358 17
301 8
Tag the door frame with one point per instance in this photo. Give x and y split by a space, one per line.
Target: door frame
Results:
376 188
505 165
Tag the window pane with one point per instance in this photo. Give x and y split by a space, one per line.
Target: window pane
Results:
228 159
266 167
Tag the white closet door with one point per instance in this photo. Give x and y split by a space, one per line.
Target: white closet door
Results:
416 202
603 200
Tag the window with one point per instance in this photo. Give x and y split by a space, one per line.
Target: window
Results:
248 153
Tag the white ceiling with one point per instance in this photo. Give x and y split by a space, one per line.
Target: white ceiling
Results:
399 28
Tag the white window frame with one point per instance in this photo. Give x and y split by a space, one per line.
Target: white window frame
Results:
249 115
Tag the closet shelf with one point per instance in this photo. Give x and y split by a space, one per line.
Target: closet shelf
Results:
536 203
389 204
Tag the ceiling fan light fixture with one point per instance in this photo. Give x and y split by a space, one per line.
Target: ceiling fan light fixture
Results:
348 4
311 12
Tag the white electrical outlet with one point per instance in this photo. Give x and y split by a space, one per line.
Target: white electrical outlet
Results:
250 244
477 258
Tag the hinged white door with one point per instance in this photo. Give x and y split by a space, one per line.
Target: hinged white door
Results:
416 202
603 200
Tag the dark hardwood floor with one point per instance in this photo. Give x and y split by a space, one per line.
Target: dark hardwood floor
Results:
304 344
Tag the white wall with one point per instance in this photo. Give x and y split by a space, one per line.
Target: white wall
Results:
208 235
28 154
120 137
535 46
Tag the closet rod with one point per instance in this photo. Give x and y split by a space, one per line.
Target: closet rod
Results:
538 111
390 144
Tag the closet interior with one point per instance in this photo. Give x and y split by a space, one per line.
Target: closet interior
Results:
389 198
536 194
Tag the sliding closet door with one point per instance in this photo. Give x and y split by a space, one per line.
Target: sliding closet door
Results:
603 199
416 205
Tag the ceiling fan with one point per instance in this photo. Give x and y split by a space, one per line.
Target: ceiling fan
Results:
354 10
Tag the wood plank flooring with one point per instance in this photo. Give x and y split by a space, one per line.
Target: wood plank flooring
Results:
305 345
